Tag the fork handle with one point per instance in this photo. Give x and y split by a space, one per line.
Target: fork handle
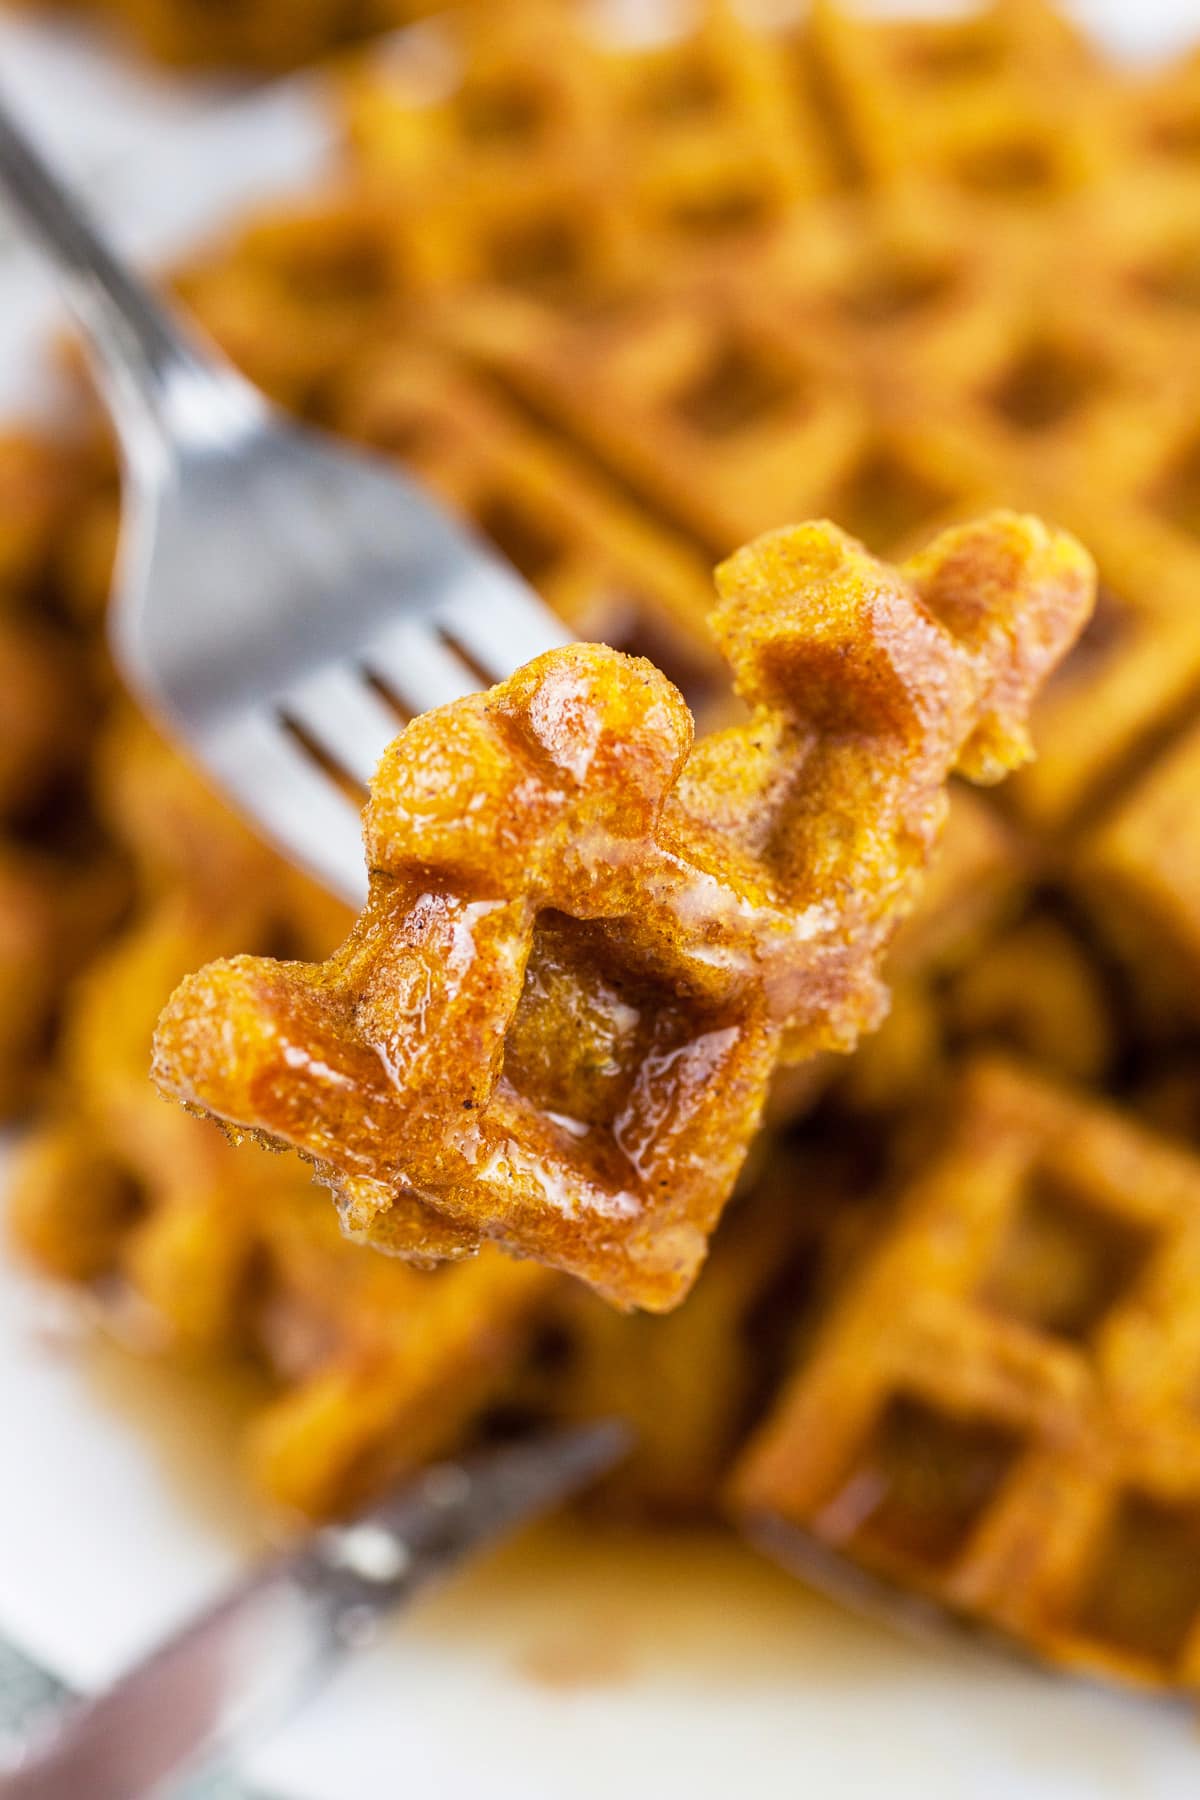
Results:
159 382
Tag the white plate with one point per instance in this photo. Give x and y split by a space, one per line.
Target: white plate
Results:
566 1668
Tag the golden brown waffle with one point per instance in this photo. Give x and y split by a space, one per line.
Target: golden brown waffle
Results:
999 1410
724 404
556 1021
882 281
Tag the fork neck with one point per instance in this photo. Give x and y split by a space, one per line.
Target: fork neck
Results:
163 388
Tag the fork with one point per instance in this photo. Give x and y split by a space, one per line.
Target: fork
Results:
282 604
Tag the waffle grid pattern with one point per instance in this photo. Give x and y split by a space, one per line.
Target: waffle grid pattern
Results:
621 335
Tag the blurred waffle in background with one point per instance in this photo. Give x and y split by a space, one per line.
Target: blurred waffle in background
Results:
259 35
624 300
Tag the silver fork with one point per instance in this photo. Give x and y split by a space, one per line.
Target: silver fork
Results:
282 603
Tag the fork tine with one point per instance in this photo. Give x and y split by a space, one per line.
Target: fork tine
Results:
510 629
344 717
411 662
293 800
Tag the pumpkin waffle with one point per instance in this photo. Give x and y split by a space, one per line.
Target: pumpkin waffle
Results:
1028 380
722 406
999 1410
642 928
1132 245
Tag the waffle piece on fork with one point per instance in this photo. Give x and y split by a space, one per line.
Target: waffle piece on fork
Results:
999 1409
589 943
